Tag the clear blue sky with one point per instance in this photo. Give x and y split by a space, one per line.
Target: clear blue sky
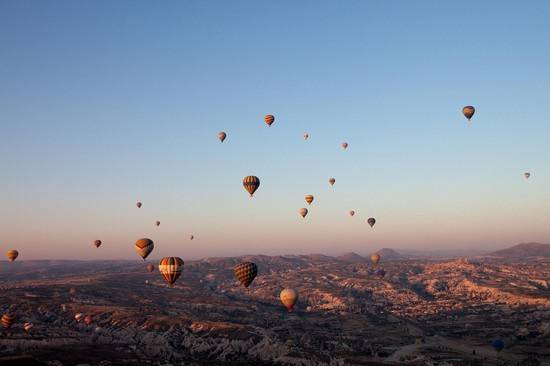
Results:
103 103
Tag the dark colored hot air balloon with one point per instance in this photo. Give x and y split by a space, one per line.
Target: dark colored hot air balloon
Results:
375 258
371 221
309 199
269 119
246 272
222 135
303 212
251 184
12 255
150 268
527 175
332 181
88 320
498 345
288 298
468 111
351 213
170 268
138 204
97 243
144 247
157 223
191 237
7 320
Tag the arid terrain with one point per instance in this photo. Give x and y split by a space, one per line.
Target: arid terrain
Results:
422 312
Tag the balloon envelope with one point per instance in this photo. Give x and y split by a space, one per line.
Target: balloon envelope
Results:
468 111
306 136
222 135
138 204
97 243
88 320
12 255
150 268
351 213
288 298
303 211
251 184
144 247
309 199
344 145
375 258
7 320
170 268
371 221
78 317
157 223
526 175
246 272
332 181
269 119
27 327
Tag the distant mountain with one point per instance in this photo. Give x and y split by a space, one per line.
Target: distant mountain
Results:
387 254
524 250
351 257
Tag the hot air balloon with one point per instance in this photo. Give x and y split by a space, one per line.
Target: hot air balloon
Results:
138 204
371 221
97 243
375 258
288 298
251 184
332 181
468 111
157 223
222 135
28 326
191 237
78 317
246 272
498 345
150 268
88 320
309 199
144 247
526 175
269 119
351 213
306 136
170 268
303 212
7 320
12 255
344 145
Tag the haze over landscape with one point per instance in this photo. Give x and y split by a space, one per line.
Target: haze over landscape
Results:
274 183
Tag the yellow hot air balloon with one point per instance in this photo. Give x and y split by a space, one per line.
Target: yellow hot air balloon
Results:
170 268
144 247
332 181
303 212
251 184
12 255
97 243
306 136
269 119
351 213
344 145
222 135
375 258
288 298
468 111
309 199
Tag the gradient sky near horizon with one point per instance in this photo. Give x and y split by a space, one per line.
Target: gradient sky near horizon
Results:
104 103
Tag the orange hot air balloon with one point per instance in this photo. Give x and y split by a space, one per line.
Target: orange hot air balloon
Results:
251 183
138 204
303 212
309 199
150 268
170 268
468 111
78 317
246 272
28 326
269 119
344 145
221 136
88 320
306 136
288 298
12 255
157 223
371 221
7 320
144 247
375 258
332 181
351 213
97 243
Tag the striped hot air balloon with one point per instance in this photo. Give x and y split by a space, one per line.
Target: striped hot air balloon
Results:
170 268
246 272
309 199
28 326
12 255
144 247
269 119
97 243
251 184
468 112
7 320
